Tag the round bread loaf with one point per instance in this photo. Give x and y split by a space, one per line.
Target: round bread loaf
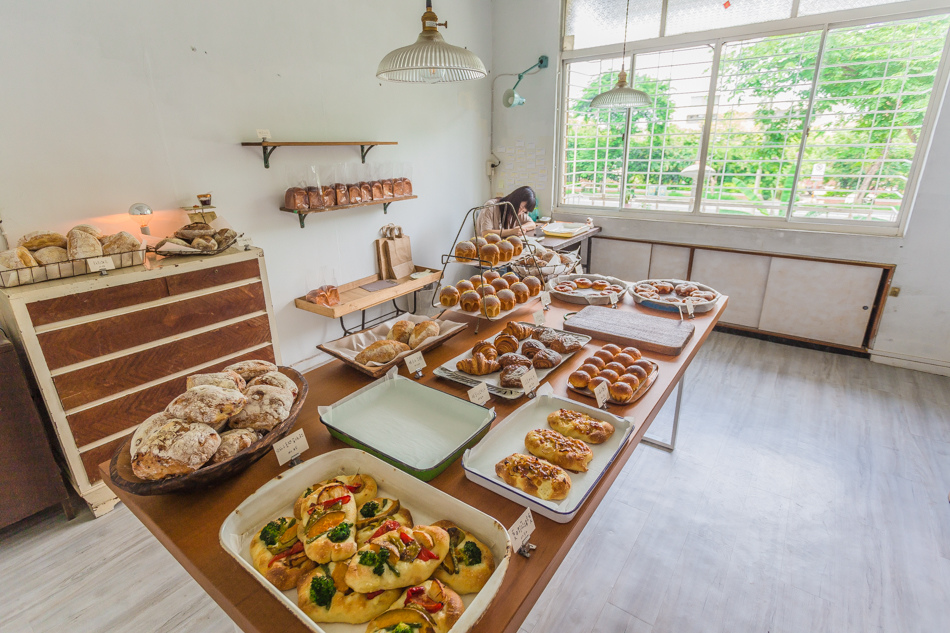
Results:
121 242
41 239
207 404
251 369
82 244
176 448
233 442
15 258
224 379
276 379
401 331
267 406
151 424
196 229
204 243
51 255
421 332
87 228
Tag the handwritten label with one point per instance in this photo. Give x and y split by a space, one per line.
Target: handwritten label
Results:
95 264
415 362
291 446
530 380
539 318
689 307
520 531
545 297
243 243
263 134
602 393
613 298
479 395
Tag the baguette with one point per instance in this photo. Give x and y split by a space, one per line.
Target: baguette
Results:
381 352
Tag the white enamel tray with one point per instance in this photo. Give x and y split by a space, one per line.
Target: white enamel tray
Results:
427 504
508 437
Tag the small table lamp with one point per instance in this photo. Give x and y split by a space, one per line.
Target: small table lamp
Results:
143 214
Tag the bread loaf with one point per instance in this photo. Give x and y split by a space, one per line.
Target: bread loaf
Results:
151 424
121 242
87 228
366 191
204 244
266 407
560 450
224 237
41 239
314 198
82 244
329 195
276 379
207 404
176 448
50 255
172 240
15 258
580 426
459 571
381 352
224 379
196 229
534 476
233 442
342 196
251 369
401 331
422 331
354 194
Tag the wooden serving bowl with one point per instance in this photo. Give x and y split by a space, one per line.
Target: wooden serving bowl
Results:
120 468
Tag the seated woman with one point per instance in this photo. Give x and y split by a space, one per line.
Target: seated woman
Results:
503 219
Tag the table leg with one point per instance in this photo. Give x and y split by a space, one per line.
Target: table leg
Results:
676 420
587 264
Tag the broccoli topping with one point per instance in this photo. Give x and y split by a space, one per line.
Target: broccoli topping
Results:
322 591
374 560
471 555
340 533
272 531
369 509
402 627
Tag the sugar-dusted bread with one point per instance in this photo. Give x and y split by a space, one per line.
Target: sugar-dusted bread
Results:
325 597
207 404
266 407
87 228
15 258
328 524
233 442
362 487
381 352
281 560
580 426
469 564
41 239
50 255
224 379
146 428
408 556
121 242
422 331
429 606
401 331
251 369
534 476
82 244
560 450
176 448
276 379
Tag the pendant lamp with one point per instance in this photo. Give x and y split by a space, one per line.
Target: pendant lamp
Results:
621 95
430 60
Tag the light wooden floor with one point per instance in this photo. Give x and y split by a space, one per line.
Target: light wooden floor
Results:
808 493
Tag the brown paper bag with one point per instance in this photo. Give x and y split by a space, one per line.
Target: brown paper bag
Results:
398 253
381 258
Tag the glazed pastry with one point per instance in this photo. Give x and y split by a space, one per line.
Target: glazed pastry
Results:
485 289
639 372
513 358
477 365
407 555
580 426
477 280
566 344
490 254
621 392
492 238
506 343
517 244
491 305
328 526
511 278
464 285
545 335
632 352
470 301
486 349
469 563
534 285
519 330
401 331
449 296
684 290
479 241
583 282
598 380
521 291
596 361
625 360
546 359
604 355
506 251
663 287
534 476
566 452
600 284
325 597
507 298
631 380
511 376
499 284
579 379
612 348
615 367
531 347
645 365
590 369
277 553
609 375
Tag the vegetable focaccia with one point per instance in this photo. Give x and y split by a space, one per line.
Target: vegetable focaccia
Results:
398 558
429 606
559 449
363 488
278 554
580 426
469 563
374 513
324 597
327 528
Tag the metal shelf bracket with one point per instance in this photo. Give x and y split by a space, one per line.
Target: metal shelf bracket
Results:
267 152
364 150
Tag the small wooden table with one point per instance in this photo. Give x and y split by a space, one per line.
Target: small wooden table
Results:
561 243
187 525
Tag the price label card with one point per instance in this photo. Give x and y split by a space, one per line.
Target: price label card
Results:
689 307
290 447
539 318
415 362
263 134
601 392
530 380
479 395
243 242
613 298
520 531
95 264
545 297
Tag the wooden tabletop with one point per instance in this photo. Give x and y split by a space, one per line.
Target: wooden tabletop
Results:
187 524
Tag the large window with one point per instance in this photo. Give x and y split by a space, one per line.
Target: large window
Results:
823 125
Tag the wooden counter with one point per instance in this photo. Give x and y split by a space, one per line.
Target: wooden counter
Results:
187 525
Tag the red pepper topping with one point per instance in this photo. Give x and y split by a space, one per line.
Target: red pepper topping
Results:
425 555
354 488
373 594
405 538
332 502
388 526
418 596
296 549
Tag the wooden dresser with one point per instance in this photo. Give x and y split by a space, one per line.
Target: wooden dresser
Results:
108 351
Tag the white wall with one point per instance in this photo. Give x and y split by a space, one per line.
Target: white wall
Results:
915 329
109 103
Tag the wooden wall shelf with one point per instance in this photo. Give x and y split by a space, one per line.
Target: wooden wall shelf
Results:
268 147
303 213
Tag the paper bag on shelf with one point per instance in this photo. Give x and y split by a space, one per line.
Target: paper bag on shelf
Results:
381 258
397 253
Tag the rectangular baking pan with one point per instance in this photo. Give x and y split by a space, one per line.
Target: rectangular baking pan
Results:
427 504
508 437
413 427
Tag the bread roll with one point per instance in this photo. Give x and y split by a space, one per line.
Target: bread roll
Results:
146 428
224 379
343 605
233 442
51 255
381 352
266 407
464 570
449 296
410 610
423 331
560 450
410 569
15 258
197 229
207 404
534 476
282 560
36 240
401 331
328 508
121 242
276 379
251 369
82 244
204 244
580 425
87 228
176 448
507 299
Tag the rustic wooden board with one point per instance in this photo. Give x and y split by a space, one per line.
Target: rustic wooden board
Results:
211 277
98 338
353 298
85 385
649 333
86 303
122 413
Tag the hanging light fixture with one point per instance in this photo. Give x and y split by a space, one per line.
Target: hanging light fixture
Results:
430 60
621 95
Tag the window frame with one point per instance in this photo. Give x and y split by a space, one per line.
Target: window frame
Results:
822 22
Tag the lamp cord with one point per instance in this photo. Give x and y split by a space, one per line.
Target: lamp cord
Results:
626 19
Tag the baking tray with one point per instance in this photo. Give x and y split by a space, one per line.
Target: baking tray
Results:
508 437
639 393
413 427
587 296
448 371
427 504
665 306
501 315
347 348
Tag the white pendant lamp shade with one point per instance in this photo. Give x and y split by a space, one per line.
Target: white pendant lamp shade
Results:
621 96
430 59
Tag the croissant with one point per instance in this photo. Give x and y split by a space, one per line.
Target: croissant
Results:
477 365
520 331
486 349
506 343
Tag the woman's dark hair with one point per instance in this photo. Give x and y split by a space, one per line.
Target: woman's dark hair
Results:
525 194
